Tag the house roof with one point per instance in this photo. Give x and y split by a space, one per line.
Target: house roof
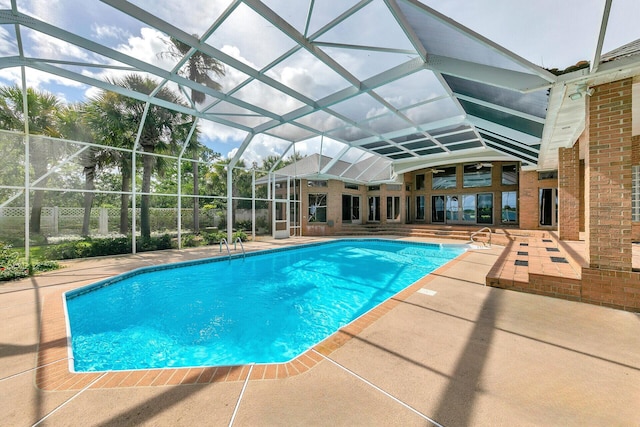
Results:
629 49
568 99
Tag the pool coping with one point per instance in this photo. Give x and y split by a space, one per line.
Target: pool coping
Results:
53 358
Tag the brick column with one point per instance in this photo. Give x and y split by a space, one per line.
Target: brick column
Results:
635 154
528 208
569 192
609 185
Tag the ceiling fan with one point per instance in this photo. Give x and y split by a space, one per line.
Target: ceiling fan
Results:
435 171
481 165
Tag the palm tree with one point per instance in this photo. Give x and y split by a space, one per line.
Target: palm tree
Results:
198 68
105 117
73 126
42 108
161 129
121 116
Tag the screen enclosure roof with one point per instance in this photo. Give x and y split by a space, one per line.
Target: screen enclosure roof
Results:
393 79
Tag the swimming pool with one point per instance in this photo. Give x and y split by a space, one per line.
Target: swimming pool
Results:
266 308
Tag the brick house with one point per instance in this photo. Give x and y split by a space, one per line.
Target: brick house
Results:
586 190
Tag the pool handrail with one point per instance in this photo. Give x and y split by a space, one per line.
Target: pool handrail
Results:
482 230
238 239
224 240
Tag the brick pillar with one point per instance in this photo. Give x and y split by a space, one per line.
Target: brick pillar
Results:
609 186
528 208
635 154
569 192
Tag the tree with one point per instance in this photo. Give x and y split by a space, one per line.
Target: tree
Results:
73 126
269 161
42 108
216 181
107 120
121 117
161 130
198 68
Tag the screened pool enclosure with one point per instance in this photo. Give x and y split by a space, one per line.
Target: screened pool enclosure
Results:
140 118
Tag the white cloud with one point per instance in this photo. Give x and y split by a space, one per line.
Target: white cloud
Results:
194 18
148 47
44 46
8 45
109 32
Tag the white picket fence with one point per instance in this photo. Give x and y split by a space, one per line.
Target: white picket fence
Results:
57 221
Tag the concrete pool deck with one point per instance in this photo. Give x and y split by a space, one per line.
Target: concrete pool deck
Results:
466 355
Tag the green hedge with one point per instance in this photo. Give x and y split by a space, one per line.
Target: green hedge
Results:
203 239
89 247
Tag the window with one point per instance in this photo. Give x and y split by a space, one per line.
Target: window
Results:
420 182
635 193
393 208
420 208
350 208
394 187
547 175
317 208
437 208
509 207
351 186
316 183
444 178
469 213
477 175
374 208
509 174
548 203
374 188
485 208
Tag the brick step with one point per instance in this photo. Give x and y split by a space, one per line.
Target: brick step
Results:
539 265
462 235
499 236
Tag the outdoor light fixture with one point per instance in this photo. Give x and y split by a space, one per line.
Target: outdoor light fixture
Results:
580 89
575 95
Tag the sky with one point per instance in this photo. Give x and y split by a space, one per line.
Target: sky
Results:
549 33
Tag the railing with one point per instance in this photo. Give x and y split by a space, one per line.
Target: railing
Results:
224 240
481 231
238 239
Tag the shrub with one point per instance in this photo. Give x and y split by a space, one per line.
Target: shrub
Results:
191 240
213 238
154 243
244 225
261 222
13 266
89 247
241 234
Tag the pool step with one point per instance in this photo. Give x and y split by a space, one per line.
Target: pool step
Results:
500 236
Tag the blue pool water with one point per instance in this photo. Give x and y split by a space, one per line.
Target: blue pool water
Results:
266 308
